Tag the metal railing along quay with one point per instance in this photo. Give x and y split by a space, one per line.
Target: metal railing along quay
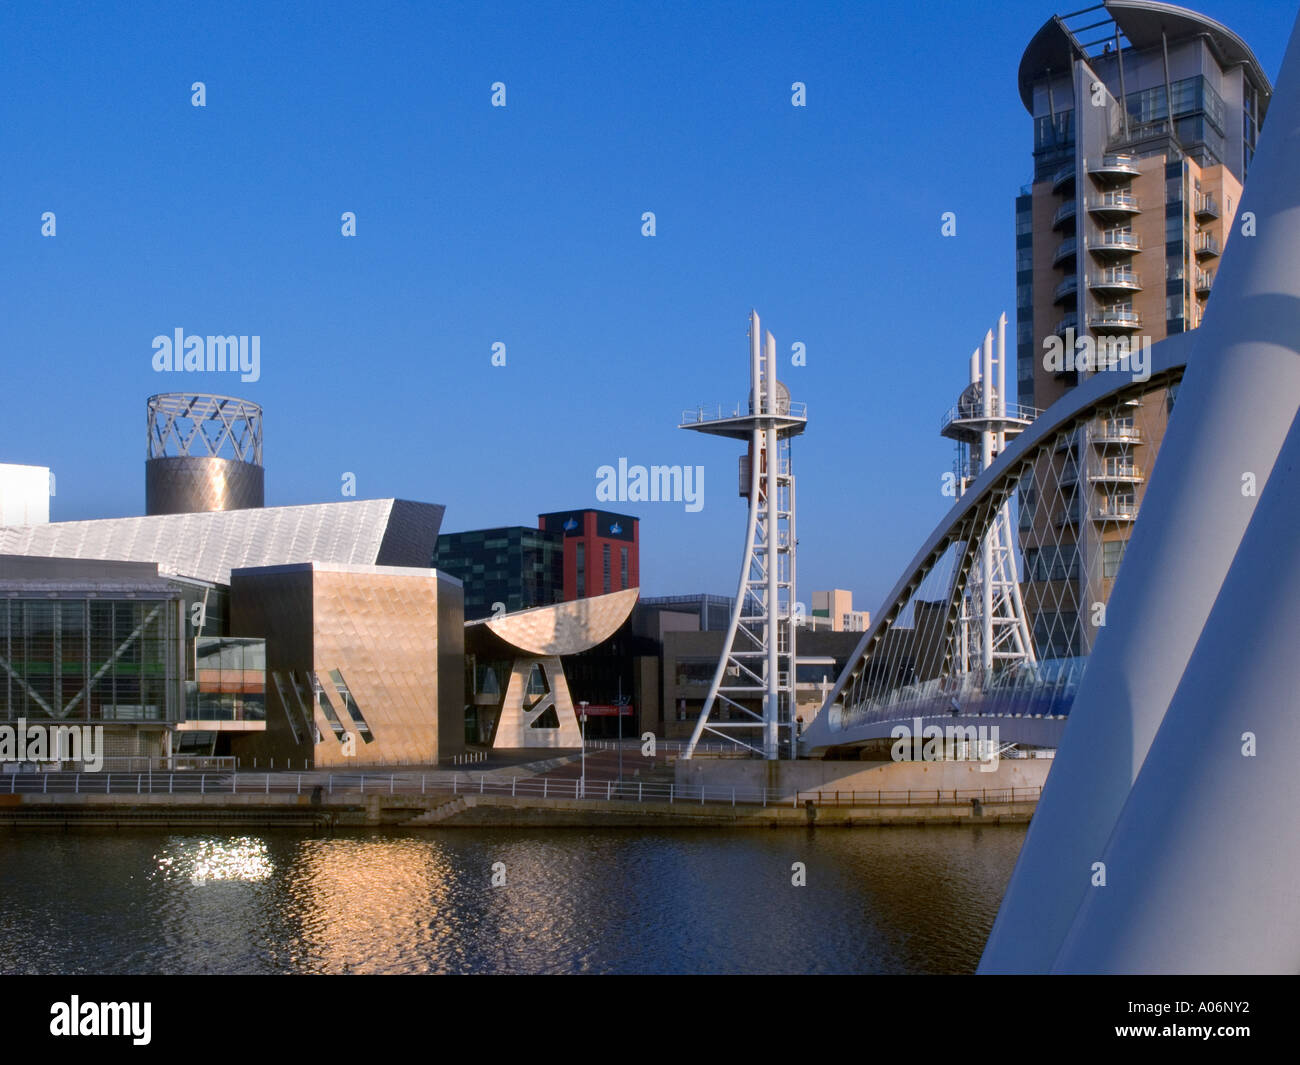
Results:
456 784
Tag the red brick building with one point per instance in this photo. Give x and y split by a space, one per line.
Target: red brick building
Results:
601 550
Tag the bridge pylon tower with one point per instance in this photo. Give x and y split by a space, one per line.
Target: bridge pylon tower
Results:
754 683
993 634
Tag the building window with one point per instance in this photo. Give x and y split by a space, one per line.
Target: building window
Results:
581 590
604 561
1112 555
622 567
1024 216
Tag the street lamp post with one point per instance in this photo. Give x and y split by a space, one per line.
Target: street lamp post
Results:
583 784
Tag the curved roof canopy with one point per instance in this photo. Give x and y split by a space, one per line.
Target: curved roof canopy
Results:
209 544
562 629
1141 22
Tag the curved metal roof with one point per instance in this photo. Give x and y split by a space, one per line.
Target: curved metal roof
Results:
1141 21
562 629
210 544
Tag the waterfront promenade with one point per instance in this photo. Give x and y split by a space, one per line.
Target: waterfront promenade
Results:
546 792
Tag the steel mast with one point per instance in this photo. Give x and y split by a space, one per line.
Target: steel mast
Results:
758 658
993 634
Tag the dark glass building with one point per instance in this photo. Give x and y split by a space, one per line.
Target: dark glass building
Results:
514 566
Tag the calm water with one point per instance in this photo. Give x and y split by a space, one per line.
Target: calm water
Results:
894 900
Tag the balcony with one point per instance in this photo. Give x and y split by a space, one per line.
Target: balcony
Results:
1066 250
1116 431
1069 514
1114 167
1115 279
1207 246
1204 280
1115 510
1115 320
1069 475
1070 321
1114 205
1063 177
1067 289
1206 207
1118 471
1065 213
1113 242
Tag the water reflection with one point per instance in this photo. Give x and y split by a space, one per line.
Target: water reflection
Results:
877 900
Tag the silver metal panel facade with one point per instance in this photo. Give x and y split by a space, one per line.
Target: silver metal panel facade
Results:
186 485
209 545
392 636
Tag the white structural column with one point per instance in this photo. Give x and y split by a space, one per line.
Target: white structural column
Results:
986 460
516 724
993 633
772 454
1202 868
1235 407
753 687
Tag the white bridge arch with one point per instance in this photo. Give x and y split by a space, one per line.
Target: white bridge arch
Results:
905 666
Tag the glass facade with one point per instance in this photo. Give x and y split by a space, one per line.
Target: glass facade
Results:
350 706
1055 562
88 659
1025 299
1249 128
1053 143
516 566
1112 555
229 680
1199 117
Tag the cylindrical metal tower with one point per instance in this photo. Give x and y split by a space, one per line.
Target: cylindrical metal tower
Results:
204 453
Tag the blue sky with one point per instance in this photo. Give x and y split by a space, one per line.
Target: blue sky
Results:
521 225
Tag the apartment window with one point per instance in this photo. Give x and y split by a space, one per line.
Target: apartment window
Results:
622 567
1112 553
1025 371
582 571
604 559
1024 259
1055 635
1055 131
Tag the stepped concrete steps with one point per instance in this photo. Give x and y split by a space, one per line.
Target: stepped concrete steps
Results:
439 813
